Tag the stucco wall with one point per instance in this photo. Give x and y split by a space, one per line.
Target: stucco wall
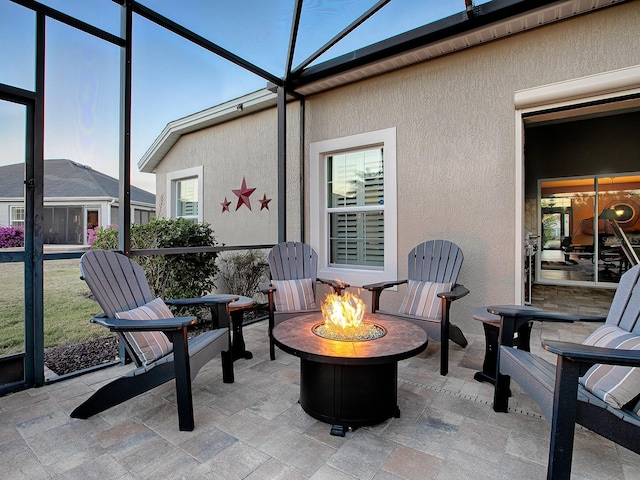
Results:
228 152
456 137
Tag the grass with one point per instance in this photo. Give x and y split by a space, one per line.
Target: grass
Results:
67 306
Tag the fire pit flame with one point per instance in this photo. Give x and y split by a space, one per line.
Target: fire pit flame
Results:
343 320
344 311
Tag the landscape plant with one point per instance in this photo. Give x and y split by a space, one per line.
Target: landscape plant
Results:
11 237
170 276
242 272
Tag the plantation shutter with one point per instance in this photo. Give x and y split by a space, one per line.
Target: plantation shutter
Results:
356 208
187 198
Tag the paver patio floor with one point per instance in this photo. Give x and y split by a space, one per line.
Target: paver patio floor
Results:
255 428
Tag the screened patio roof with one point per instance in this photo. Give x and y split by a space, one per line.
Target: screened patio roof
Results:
189 56
309 46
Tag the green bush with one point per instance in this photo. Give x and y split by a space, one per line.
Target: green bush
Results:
242 272
170 276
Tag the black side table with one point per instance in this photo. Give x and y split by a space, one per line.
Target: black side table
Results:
237 307
491 326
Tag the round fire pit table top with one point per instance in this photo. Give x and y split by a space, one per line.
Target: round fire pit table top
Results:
402 340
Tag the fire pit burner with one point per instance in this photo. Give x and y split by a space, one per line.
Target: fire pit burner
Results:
365 331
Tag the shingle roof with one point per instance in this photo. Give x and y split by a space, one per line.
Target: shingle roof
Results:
68 179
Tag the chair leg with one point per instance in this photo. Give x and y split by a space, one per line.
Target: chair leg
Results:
501 391
444 340
272 349
227 366
456 335
183 380
563 422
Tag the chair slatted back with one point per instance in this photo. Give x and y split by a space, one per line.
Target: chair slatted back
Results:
117 282
625 306
293 261
435 261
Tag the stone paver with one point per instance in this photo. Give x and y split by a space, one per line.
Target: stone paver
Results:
255 428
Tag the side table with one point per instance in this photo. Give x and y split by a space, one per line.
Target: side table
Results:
237 307
491 326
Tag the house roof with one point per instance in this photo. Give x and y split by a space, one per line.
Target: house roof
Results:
247 104
68 179
474 26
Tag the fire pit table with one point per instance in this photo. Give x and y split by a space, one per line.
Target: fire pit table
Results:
350 383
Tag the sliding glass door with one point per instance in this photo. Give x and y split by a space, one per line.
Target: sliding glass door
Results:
589 228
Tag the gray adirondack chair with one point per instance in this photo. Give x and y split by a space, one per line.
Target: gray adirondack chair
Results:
120 287
436 261
603 357
293 261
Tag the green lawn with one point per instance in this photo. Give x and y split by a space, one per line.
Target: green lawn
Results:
67 306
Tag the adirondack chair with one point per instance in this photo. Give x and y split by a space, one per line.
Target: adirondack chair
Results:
155 340
433 273
595 384
292 290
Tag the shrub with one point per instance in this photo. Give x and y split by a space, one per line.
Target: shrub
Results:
11 237
170 276
242 272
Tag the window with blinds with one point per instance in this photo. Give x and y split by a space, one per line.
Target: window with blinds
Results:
187 198
355 182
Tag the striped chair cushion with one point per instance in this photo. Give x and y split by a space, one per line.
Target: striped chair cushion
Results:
422 300
614 384
148 346
292 295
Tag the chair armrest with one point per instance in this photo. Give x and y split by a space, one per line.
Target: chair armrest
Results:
183 302
267 288
589 354
337 285
162 324
377 288
566 317
457 292
333 283
383 285
513 311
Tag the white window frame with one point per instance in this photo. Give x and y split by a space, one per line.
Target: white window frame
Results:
319 216
13 221
172 180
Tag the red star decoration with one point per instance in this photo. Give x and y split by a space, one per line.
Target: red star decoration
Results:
243 194
264 203
225 205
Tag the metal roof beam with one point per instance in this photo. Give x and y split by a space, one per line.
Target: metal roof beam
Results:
203 42
485 14
295 24
346 31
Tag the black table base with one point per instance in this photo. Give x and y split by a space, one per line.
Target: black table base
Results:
349 396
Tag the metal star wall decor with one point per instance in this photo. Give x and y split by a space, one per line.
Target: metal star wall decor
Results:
243 194
225 205
264 203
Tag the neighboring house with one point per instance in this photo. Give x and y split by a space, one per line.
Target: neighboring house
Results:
450 141
76 198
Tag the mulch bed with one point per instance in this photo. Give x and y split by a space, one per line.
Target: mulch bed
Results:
72 358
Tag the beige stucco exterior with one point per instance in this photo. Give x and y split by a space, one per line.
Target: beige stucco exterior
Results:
244 148
456 127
